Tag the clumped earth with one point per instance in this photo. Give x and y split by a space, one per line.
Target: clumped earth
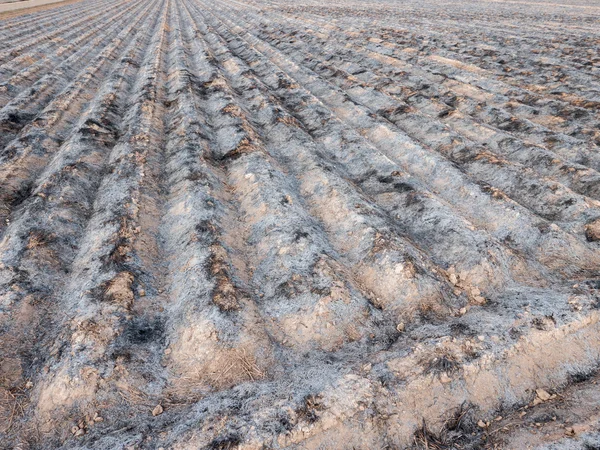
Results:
300 224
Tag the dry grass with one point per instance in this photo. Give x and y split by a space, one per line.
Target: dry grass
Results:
456 432
239 365
15 403
228 367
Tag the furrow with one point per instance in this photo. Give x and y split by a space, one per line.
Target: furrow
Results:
104 327
216 336
31 43
306 296
21 25
47 235
369 245
545 198
270 224
406 198
30 102
551 114
448 110
21 34
23 72
539 239
417 43
26 155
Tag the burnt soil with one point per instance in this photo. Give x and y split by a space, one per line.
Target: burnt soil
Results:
306 225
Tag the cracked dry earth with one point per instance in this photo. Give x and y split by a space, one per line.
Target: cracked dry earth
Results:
307 225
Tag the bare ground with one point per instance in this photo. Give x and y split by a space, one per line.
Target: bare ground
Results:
300 225
13 8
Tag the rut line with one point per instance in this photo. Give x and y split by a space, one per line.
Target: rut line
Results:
31 41
510 177
282 134
450 76
579 178
41 105
13 86
99 296
561 239
40 19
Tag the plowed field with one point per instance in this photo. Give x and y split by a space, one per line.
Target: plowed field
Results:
275 224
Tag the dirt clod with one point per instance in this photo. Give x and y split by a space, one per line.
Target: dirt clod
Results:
592 231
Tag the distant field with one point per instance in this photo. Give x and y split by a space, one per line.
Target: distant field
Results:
14 5
300 224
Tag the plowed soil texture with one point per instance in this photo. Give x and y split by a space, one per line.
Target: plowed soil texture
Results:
300 224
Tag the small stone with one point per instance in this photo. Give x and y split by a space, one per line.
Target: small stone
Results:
479 300
444 378
157 411
28 385
80 432
142 292
168 351
400 327
543 395
482 424
452 278
98 419
74 429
